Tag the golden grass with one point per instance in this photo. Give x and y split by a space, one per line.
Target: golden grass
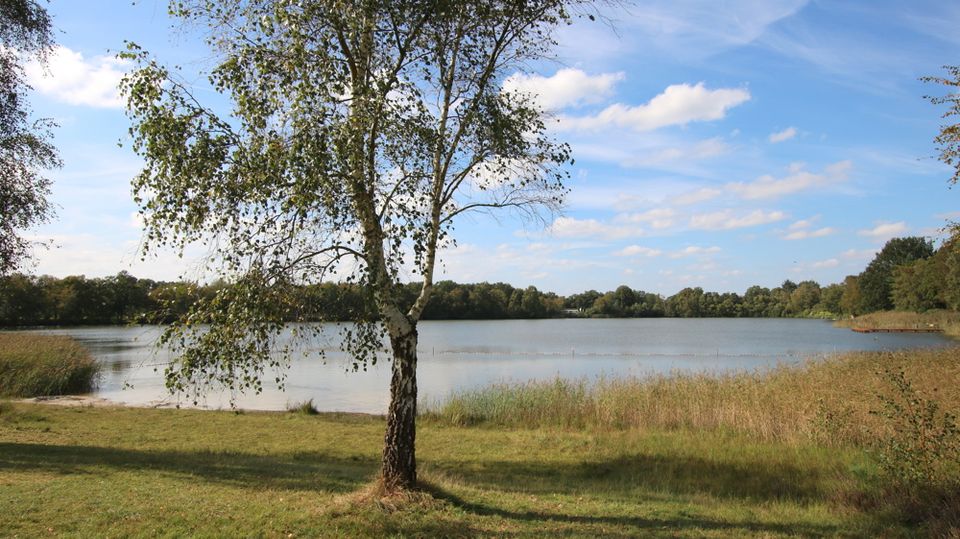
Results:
828 400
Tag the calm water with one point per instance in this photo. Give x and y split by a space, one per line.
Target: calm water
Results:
457 355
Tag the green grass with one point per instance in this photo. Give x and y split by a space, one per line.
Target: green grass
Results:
139 472
83 472
33 365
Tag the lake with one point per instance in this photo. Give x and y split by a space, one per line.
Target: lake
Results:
457 355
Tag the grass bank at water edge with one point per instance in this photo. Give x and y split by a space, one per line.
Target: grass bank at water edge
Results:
593 471
946 321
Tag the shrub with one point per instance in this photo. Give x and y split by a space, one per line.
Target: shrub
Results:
924 442
919 453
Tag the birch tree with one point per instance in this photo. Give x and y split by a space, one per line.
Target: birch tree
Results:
358 132
26 32
948 139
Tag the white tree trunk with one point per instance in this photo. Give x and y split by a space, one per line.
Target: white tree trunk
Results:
399 466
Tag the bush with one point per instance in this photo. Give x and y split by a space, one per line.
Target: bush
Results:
34 365
924 443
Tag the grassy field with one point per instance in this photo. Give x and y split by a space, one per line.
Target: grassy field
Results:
142 472
33 364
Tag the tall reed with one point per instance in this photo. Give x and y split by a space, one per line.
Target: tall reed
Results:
33 365
829 400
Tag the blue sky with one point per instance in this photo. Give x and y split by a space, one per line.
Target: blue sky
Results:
715 147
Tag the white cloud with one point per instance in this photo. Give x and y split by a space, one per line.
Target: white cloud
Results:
695 197
570 227
885 231
782 136
797 180
567 87
694 250
71 78
727 219
638 250
679 104
806 234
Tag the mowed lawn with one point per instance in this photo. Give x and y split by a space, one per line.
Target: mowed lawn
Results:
110 472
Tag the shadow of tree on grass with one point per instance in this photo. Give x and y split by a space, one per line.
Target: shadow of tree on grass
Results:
625 475
293 471
629 526
616 480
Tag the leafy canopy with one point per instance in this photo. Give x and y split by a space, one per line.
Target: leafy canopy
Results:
948 139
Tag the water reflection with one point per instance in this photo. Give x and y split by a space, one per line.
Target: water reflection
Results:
455 355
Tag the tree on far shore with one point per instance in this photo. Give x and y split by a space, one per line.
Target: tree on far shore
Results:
876 281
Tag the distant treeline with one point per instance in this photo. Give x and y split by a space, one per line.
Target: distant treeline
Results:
43 301
908 274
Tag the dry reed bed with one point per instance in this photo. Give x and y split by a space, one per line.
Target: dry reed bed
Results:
34 364
829 400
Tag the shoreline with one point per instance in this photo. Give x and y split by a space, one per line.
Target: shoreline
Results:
91 401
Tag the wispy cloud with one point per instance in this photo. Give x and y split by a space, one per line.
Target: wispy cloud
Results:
828 263
506 262
849 54
638 250
694 250
686 153
782 136
807 234
858 255
690 28
657 218
695 197
803 229
728 219
885 231
570 227
798 180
